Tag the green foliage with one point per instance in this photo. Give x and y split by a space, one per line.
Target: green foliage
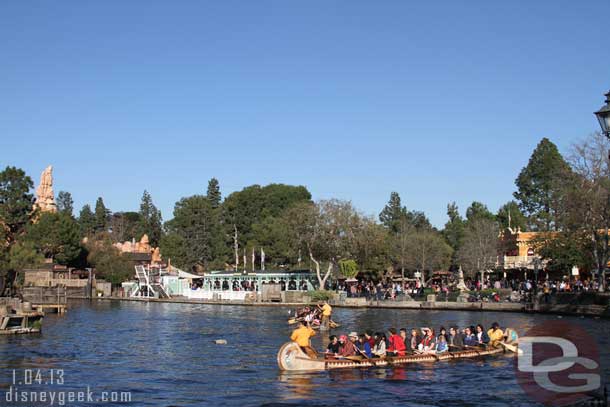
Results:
197 223
109 263
348 268
21 256
538 183
150 221
101 216
65 203
86 221
454 231
254 204
125 226
510 215
394 213
213 193
320 295
15 201
56 236
173 247
478 210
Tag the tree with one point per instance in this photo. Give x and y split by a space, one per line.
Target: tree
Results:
56 236
125 226
196 223
454 231
348 268
510 215
253 204
478 210
150 220
86 221
108 261
538 183
427 252
584 204
20 256
15 202
373 251
393 213
479 250
101 216
213 193
65 204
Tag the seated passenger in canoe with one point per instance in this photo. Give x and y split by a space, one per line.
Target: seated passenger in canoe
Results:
428 343
495 334
482 336
413 341
379 350
346 347
364 346
396 344
470 339
441 344
333 346
456 340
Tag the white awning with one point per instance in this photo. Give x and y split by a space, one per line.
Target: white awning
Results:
184 274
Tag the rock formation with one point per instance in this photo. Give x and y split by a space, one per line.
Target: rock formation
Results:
143 246
45 200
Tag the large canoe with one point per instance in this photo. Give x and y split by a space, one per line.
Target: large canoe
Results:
292 358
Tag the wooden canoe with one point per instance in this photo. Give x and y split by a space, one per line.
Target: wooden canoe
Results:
292 358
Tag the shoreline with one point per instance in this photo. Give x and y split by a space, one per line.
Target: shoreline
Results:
568 310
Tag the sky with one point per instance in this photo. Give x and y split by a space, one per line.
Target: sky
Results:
440 101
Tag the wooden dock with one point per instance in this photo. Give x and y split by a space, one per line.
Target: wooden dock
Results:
47 299
16 320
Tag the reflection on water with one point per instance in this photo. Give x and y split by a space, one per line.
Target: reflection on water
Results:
164 355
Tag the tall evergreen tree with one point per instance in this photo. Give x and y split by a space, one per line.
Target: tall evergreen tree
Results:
15 202
57 237
86 220
454 230
102 215
538 183
213 193
65 204
393 213
150 222
478 210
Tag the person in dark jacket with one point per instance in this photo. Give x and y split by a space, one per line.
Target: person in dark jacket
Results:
482 336
413 341
470 339
456 339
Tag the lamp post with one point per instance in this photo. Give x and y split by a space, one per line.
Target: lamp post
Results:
536 269
603 116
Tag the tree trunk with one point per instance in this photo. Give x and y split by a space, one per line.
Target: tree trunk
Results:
321 280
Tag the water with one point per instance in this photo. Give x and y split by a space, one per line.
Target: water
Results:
164 355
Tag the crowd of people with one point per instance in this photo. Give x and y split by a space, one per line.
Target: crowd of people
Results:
401 342
522 290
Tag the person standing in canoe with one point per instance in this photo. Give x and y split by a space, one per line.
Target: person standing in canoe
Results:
302 336
327 312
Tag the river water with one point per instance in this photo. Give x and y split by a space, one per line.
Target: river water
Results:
163 354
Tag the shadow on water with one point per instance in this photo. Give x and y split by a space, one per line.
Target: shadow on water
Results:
164 355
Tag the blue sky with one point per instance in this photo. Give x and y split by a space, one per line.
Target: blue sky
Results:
441 101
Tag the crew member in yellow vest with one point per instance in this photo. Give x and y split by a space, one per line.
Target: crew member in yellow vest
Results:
495 335
327 311
302 336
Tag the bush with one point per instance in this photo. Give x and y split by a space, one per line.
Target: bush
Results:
319 295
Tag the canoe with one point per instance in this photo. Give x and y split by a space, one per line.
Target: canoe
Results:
291 357
332 324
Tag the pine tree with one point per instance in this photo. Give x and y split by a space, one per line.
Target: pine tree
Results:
150 222
213 193
393 213
15 202
65 204
510 215
538 183
101 215
86 221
